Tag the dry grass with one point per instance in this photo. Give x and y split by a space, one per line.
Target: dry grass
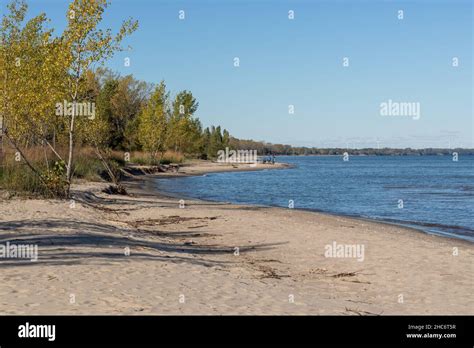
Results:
17 177
140 157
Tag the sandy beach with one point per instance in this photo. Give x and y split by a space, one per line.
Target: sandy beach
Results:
144 254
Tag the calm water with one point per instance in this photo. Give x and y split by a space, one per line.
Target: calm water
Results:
437 193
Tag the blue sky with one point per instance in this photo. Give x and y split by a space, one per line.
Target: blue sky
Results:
299 62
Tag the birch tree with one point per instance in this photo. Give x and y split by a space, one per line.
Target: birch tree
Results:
86 45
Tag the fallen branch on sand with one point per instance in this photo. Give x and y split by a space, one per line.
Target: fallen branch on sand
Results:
345 274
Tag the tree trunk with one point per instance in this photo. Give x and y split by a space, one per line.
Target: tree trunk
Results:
113 177
71 152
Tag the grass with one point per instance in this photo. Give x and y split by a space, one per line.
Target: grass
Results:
88 166
16 177
20 179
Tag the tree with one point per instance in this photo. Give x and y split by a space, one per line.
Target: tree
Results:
205 141
126 104
103 101
215 143
32 79
183 129
153 122
225 138
86 45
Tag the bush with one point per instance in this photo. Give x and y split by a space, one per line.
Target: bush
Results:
54 179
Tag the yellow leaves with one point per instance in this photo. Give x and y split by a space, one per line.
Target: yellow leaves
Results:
54 69
30 75
153 121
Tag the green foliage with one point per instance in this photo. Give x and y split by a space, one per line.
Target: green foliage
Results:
214 140
38 71
184 130
153 122
54 179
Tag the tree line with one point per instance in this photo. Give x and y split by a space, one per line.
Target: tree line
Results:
142 116
266 148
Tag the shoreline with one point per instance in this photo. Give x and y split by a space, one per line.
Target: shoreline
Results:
414 226
224 259
411 227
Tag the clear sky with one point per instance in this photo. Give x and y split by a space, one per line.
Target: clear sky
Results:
300 62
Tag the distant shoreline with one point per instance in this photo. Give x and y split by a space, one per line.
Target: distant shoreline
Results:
469 153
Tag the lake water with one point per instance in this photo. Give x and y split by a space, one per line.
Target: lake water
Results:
432 193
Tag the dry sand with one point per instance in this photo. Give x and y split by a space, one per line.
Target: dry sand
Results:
185 261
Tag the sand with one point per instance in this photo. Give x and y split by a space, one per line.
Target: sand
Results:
143 254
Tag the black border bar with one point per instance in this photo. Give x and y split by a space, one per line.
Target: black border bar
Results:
239 330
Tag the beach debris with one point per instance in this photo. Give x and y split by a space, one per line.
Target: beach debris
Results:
268 260
361 312
345 274
269 272
169 220
115 190
318 271
356 281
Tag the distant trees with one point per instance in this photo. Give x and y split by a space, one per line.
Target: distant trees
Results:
213 140
264 148
205 143
184 129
